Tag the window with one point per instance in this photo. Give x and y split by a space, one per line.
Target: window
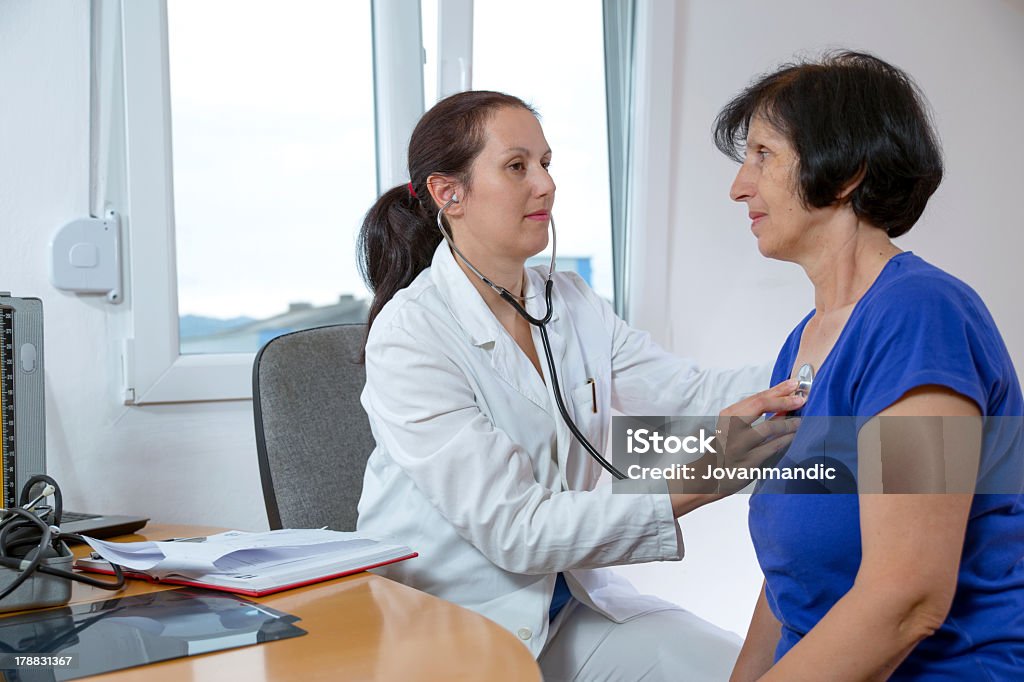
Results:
273 166
155 369
266 109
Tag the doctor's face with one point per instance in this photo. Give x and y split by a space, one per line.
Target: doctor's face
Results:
767 182
508 206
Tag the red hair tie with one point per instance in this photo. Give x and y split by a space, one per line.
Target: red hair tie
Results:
412 191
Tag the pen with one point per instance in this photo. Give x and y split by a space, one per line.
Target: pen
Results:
201 538
593 393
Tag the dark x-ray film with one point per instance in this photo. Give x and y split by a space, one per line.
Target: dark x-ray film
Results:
126 632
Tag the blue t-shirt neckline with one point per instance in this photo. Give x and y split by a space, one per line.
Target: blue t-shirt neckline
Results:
850 323
858 307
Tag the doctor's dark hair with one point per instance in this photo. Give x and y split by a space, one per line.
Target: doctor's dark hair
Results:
399 233
847 115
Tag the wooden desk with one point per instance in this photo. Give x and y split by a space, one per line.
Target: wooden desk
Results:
362 627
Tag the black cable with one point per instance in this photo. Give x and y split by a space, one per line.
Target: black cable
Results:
37 555
77 577
116 584
58 498
22 528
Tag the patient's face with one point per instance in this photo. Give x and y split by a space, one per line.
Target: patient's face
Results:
767 182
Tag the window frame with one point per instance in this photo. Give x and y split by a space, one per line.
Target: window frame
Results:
648 228
640 61
153 368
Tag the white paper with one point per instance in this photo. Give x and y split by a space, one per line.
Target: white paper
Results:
234 552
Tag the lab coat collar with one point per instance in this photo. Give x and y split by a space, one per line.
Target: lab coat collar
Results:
463 300
466 304
468 308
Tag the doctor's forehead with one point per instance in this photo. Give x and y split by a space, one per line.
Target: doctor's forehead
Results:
515 131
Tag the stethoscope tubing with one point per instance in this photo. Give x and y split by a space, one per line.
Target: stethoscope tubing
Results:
541 324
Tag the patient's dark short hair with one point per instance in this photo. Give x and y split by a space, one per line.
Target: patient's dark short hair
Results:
846 114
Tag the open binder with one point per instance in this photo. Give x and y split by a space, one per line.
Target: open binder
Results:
251 564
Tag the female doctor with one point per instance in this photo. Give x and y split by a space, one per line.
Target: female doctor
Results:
474 468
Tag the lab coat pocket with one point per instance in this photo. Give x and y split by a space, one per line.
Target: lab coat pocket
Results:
586 409
581 471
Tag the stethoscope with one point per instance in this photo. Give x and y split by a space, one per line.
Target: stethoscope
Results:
541 324
804 379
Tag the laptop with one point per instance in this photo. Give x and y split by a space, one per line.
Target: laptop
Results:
23 416
95 525
99 525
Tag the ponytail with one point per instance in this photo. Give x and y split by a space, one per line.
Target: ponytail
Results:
396 243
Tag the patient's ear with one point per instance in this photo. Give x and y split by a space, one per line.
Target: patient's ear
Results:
443 188
852 184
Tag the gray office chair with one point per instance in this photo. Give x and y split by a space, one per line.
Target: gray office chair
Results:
312 434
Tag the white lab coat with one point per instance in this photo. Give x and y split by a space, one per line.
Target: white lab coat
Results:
475 469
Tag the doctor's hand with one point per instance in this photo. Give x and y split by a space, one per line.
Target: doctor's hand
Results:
741 446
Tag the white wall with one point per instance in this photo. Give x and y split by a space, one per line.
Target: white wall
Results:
197 463
729 305
193 463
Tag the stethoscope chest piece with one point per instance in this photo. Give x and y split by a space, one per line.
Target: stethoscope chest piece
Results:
805 378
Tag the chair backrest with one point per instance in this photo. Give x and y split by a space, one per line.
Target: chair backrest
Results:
312 433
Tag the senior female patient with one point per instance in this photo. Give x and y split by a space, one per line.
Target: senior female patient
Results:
838 157
473 467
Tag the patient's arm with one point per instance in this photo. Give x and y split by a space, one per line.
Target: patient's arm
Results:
758 651
911 546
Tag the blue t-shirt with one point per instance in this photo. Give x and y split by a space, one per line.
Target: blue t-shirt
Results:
915 326
560 597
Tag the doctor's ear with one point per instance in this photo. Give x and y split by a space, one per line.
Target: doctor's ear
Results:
443 189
